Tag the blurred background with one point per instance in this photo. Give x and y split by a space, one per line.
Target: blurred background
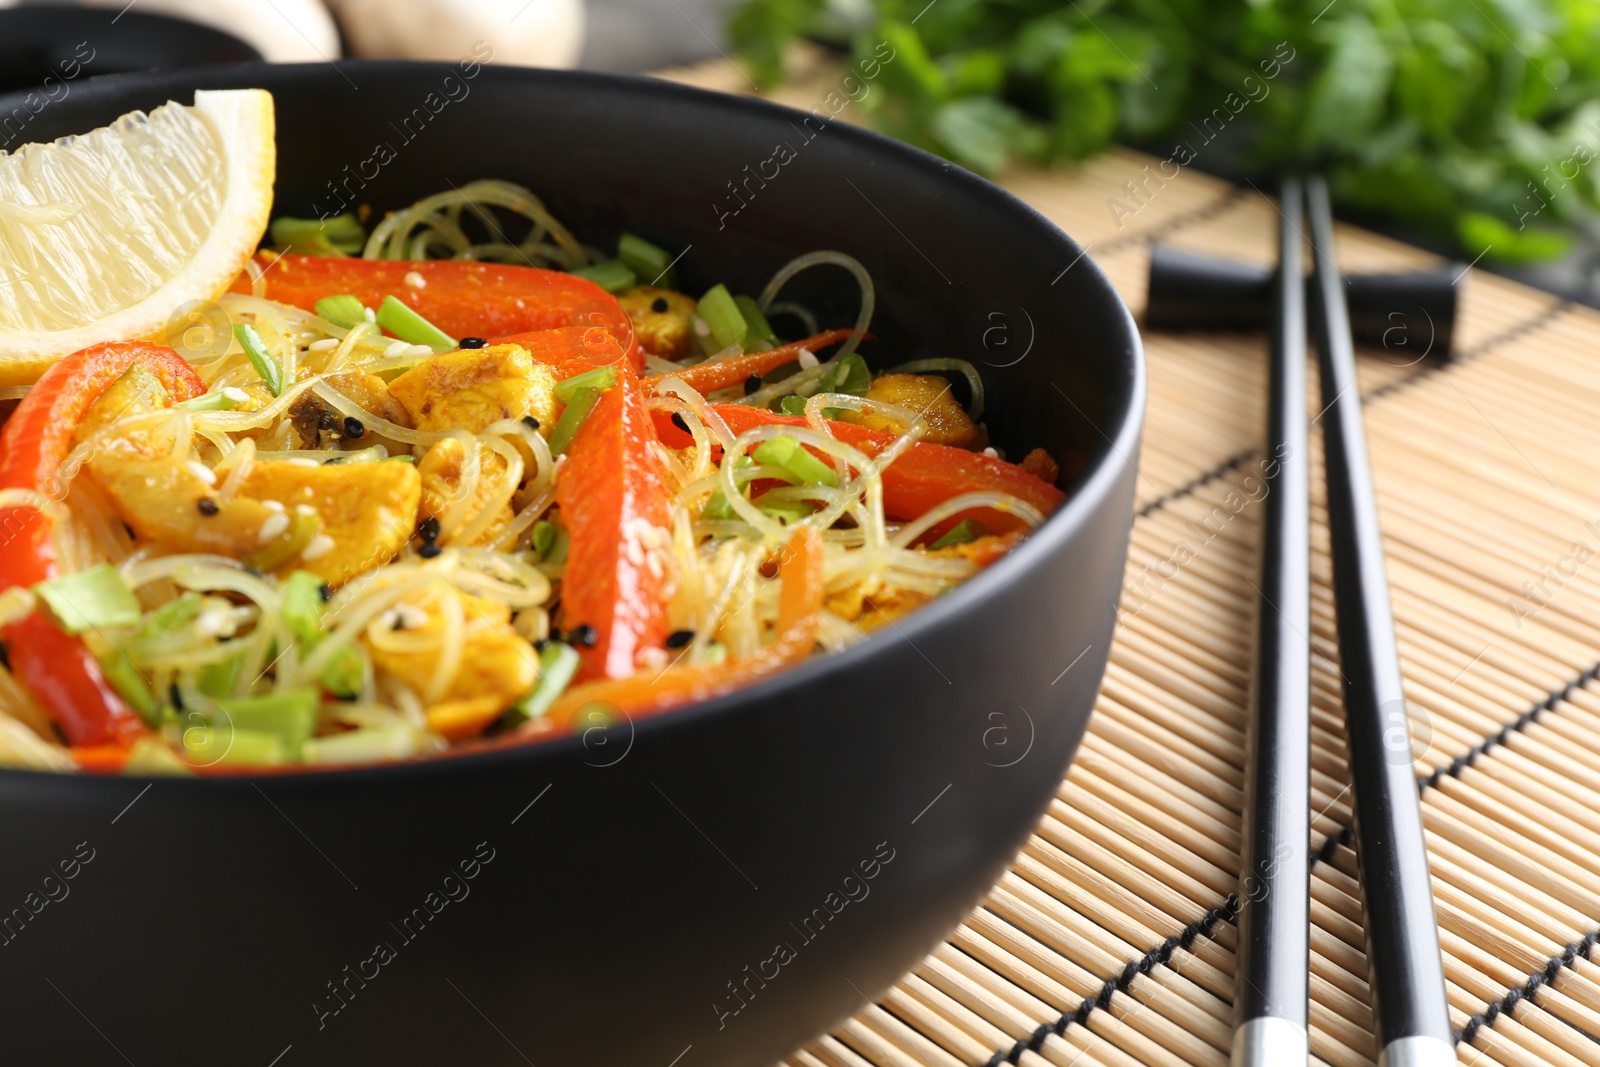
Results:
1471 127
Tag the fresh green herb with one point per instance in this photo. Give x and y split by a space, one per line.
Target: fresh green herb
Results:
291 717
90 600
793 404
255 349
651 263
962 532
790 457
403 457
717 507
345 672
303 606
759 329
342 310
848 375
410 327
782 508
224 399
558 662
1475 120
613 275
600 378
572 417
131 686
723 317
339 236
218 679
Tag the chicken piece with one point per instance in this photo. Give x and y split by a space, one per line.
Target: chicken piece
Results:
440 469
473 387
872 604
929 395
335 521
1041 465
660 319
496 667
320 425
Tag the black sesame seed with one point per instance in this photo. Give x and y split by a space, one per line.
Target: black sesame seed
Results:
353 427
175 696
429 550
679 638
530 422
583 635
331 460
474 342
428 528
751 384
538 646
660 305
207 506
555 631
325 591
677 420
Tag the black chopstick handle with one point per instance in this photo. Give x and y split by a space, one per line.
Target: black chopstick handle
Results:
1273 960
1404 966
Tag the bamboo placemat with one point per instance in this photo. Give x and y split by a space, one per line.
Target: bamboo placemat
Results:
1110 940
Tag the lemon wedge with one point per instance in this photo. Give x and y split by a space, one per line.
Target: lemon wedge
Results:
105 235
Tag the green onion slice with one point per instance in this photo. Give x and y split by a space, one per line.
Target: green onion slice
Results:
558 662
339 235
651 263
131 686
760 332
342 310
962 532
614 276
255 349
600 378
566 428
719 312
791 458
90 600
407 325
290 716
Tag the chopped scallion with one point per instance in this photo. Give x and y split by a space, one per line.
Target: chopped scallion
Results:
131 686
718 507
613 275
90 600
793 404
410 327
289 716
558 662
207 745
550 541
719 312
759 329
339 235
785 511
566 428
218 679
600 378
218 400
342 310
255 349
790 456
962 532
651 263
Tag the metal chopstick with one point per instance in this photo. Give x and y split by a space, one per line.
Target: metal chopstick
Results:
1273 957
1405 971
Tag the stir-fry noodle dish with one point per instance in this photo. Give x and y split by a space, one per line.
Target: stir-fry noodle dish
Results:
393 484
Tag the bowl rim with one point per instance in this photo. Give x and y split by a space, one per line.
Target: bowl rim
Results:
1097 483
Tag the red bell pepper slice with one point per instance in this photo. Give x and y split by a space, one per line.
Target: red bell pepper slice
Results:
55 666
644 693
724 374
571 350
461 297
612 489
924 476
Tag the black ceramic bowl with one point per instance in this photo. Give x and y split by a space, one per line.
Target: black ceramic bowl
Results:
714 886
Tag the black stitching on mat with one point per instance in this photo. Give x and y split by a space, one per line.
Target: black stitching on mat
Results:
1569 956
1228 911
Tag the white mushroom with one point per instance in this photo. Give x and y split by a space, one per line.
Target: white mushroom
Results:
530 33
283 31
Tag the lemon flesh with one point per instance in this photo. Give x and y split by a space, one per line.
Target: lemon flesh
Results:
103 236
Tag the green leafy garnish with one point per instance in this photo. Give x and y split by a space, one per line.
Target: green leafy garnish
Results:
614 276
723 317
558 662
255 350
600 378
410 327
796 465
566 428
962 532
848 375
651 263
340 235
93 599
342 310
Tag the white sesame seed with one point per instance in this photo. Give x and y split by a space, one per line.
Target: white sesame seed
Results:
302 461
235 394
304 509
323 345
201 471
418 350
272 505
808 359
701 328
274 526
397 348
215 622
415 280
372 316
991 453
318 547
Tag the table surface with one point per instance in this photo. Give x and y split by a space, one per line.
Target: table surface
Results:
1110 940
